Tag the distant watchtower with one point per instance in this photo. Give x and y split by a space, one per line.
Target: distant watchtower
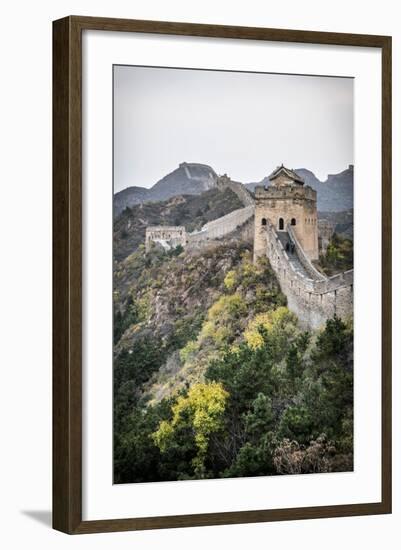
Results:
287 202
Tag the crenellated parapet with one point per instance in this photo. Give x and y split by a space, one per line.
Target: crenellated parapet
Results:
221 227
303 258
313 300
274 193
166 236
287 201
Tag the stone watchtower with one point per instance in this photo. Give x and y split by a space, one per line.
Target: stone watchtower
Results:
286 202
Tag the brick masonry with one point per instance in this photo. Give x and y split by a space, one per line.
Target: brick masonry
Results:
312 300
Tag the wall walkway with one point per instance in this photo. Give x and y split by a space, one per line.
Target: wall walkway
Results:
313 300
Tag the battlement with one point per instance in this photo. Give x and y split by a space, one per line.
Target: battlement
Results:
166 236
313 300
287 202
284 192
221 227
176 229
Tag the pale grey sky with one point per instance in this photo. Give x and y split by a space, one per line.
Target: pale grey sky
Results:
242 124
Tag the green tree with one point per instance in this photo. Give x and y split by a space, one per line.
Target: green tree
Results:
295 362
202 411
339 255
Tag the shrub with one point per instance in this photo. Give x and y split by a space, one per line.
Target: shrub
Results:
202 410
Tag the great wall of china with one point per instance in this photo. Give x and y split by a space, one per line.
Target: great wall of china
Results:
225 226
312 296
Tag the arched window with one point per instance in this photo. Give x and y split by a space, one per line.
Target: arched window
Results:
281 224
264 221
293 221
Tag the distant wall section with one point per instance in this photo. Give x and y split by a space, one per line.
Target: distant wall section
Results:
217 229
167 236
224 182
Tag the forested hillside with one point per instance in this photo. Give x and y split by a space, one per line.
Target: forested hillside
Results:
214 377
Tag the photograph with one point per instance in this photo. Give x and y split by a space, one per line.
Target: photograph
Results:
233 257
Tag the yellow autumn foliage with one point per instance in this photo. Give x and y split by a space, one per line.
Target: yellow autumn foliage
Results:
268 321
230 280
203 409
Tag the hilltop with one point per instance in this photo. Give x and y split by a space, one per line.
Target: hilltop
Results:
189 178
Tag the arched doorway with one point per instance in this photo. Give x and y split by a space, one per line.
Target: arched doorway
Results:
264 221
293 221
281 224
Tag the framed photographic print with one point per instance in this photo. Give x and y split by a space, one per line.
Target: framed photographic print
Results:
222 274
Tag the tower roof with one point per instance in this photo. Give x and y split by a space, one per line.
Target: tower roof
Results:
283 171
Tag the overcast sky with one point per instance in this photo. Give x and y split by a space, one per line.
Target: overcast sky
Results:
242 124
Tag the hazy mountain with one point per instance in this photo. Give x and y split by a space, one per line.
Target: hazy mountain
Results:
251 185
188 179
309 177
336 193
130 197
333 195
343 222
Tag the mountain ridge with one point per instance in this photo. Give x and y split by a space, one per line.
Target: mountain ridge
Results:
335 194
190 178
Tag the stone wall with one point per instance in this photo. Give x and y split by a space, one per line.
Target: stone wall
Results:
216 229
287 205
325 232
236 222
306 263
224 182
313 301
242 233
170 236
